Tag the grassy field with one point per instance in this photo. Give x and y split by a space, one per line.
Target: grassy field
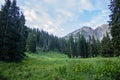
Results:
56 66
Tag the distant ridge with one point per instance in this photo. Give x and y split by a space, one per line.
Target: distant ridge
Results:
86 31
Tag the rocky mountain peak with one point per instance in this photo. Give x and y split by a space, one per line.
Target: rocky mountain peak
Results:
98 33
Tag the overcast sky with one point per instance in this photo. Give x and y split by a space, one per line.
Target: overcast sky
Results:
61 17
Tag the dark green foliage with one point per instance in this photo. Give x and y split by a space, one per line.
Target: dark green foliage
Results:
3 29
68 48
41 40
46 41
71 47
93 47
115 23
62 45
31 41
82 47
106 46
13 32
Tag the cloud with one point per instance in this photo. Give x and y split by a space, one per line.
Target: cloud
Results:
59 17
51 1
1 2
64 12
85 5
100 19
39 18
30 14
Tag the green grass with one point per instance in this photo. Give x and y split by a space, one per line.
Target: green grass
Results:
56 66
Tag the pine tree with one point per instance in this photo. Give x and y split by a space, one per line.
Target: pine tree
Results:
115 23
76 47
83 47
93 47
31 41
90 46
68 48
12 28
23 33
38 36
71 47
3 29
79 48
106 46
62 45
94 50
18 31
98 45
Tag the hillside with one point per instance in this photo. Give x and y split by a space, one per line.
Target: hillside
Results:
57 66
98 33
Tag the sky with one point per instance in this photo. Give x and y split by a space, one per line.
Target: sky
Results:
60 17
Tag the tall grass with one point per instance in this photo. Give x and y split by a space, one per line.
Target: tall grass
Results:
57 66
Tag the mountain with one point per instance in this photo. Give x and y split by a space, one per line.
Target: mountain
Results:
98 33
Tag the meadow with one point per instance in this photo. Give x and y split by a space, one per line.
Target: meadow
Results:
57 66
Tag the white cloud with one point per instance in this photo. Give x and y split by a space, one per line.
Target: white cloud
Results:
64 12
51 1
41 19
30 14
53 15
1 3
85 5
101 18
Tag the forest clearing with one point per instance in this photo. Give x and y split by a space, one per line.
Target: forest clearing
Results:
60 40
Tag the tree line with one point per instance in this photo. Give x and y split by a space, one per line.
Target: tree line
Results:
16 37
74 47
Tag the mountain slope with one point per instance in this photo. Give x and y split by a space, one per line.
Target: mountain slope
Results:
98 33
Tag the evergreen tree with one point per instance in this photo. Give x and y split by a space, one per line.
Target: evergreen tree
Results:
83 46
3 30
62 45
68 48
106 46
98 45
90 46
13 33
93 47
71 47
45 46
31 41
79 51
38 40
76 47
115 23
42 38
